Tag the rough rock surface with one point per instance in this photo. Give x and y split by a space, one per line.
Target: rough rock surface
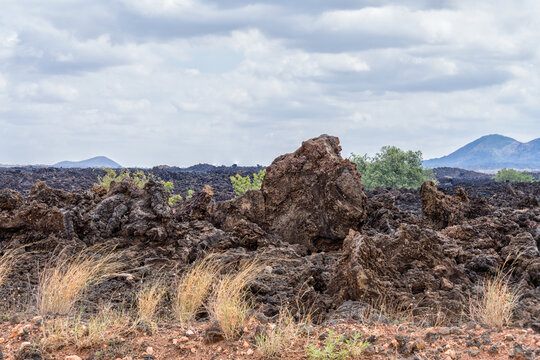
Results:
311 197
322 239
441 260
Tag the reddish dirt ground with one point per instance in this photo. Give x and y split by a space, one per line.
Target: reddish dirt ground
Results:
398 341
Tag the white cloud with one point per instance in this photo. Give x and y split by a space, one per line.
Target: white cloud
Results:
186 81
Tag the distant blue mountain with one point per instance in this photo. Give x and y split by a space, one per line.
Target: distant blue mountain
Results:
492 152
95 162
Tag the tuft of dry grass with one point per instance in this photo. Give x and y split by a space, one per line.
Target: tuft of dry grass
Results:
228 304
148 299
280 337
102 328
7 262
193 288
497 302
62 283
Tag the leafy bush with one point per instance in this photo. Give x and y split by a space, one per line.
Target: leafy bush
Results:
338 348
140 178
392 167
243 184
511 175
173 199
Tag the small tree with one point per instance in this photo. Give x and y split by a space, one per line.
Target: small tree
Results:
392 167
511 175
242 184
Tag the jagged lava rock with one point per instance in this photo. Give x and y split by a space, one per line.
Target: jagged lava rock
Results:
313 196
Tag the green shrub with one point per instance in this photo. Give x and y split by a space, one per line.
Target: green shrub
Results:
140 178
393 168
243 184
337 348
511 175
173 199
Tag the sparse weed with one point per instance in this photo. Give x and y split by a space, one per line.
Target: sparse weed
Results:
148 299
7 262
279 338
100 329
193 288
497 302
228 304
338 348
174 199
62 283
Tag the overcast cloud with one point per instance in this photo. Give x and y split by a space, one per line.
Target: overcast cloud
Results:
148 82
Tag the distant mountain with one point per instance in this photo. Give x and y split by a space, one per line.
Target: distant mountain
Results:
492 152
95 162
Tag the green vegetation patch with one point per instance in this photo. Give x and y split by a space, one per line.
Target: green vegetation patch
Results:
242 184
140 178
338 348
511 175
392 168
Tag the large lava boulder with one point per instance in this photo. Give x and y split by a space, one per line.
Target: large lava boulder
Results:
313 196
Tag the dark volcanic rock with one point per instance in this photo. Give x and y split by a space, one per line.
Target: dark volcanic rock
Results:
322 240
313 196
444 210
196 208
10 199
413 267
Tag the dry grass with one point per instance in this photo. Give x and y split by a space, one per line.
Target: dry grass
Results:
148 299
281 337
62 283
497 302
381 309
7 262
102 328
228 304
193 288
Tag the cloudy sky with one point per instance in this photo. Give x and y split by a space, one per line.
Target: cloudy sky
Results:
178 82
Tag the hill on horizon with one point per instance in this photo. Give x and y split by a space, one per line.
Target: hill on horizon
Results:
95 162
491 153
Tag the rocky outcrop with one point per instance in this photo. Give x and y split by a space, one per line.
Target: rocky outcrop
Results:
10 200
444 210
414 267
321 239
311 197
196 208
16 215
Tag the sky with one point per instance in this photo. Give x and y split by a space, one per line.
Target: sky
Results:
180 82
